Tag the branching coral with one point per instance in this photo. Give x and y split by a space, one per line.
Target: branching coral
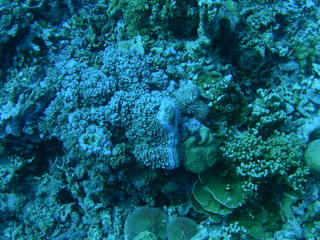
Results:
258 158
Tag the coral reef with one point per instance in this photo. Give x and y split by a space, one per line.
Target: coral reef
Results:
205 112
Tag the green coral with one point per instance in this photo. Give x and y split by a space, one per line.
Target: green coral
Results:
218 192
261 221
234 231
312 156
267 111
156 17
198 208
224 96
277 29
225 186
136 15
200 150
207 201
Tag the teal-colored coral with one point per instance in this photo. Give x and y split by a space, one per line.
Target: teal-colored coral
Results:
223 95
312 156
94 141
145 236
200 150
181 228
145 219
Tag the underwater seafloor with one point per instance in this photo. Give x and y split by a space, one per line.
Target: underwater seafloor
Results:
159 119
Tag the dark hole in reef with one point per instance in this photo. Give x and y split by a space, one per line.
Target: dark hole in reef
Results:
118 135
64 196
154 87
53 12
227 40
51 147
182 24
182 29
9 50
314 135
41 153
20 43
175 190
43 47
95 198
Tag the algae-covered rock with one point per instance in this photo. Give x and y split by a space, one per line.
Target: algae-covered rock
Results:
312 156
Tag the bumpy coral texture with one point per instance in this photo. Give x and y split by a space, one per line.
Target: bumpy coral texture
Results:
259 158
119 100
200 150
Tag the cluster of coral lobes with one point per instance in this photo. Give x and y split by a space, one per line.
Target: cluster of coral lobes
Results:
159 119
